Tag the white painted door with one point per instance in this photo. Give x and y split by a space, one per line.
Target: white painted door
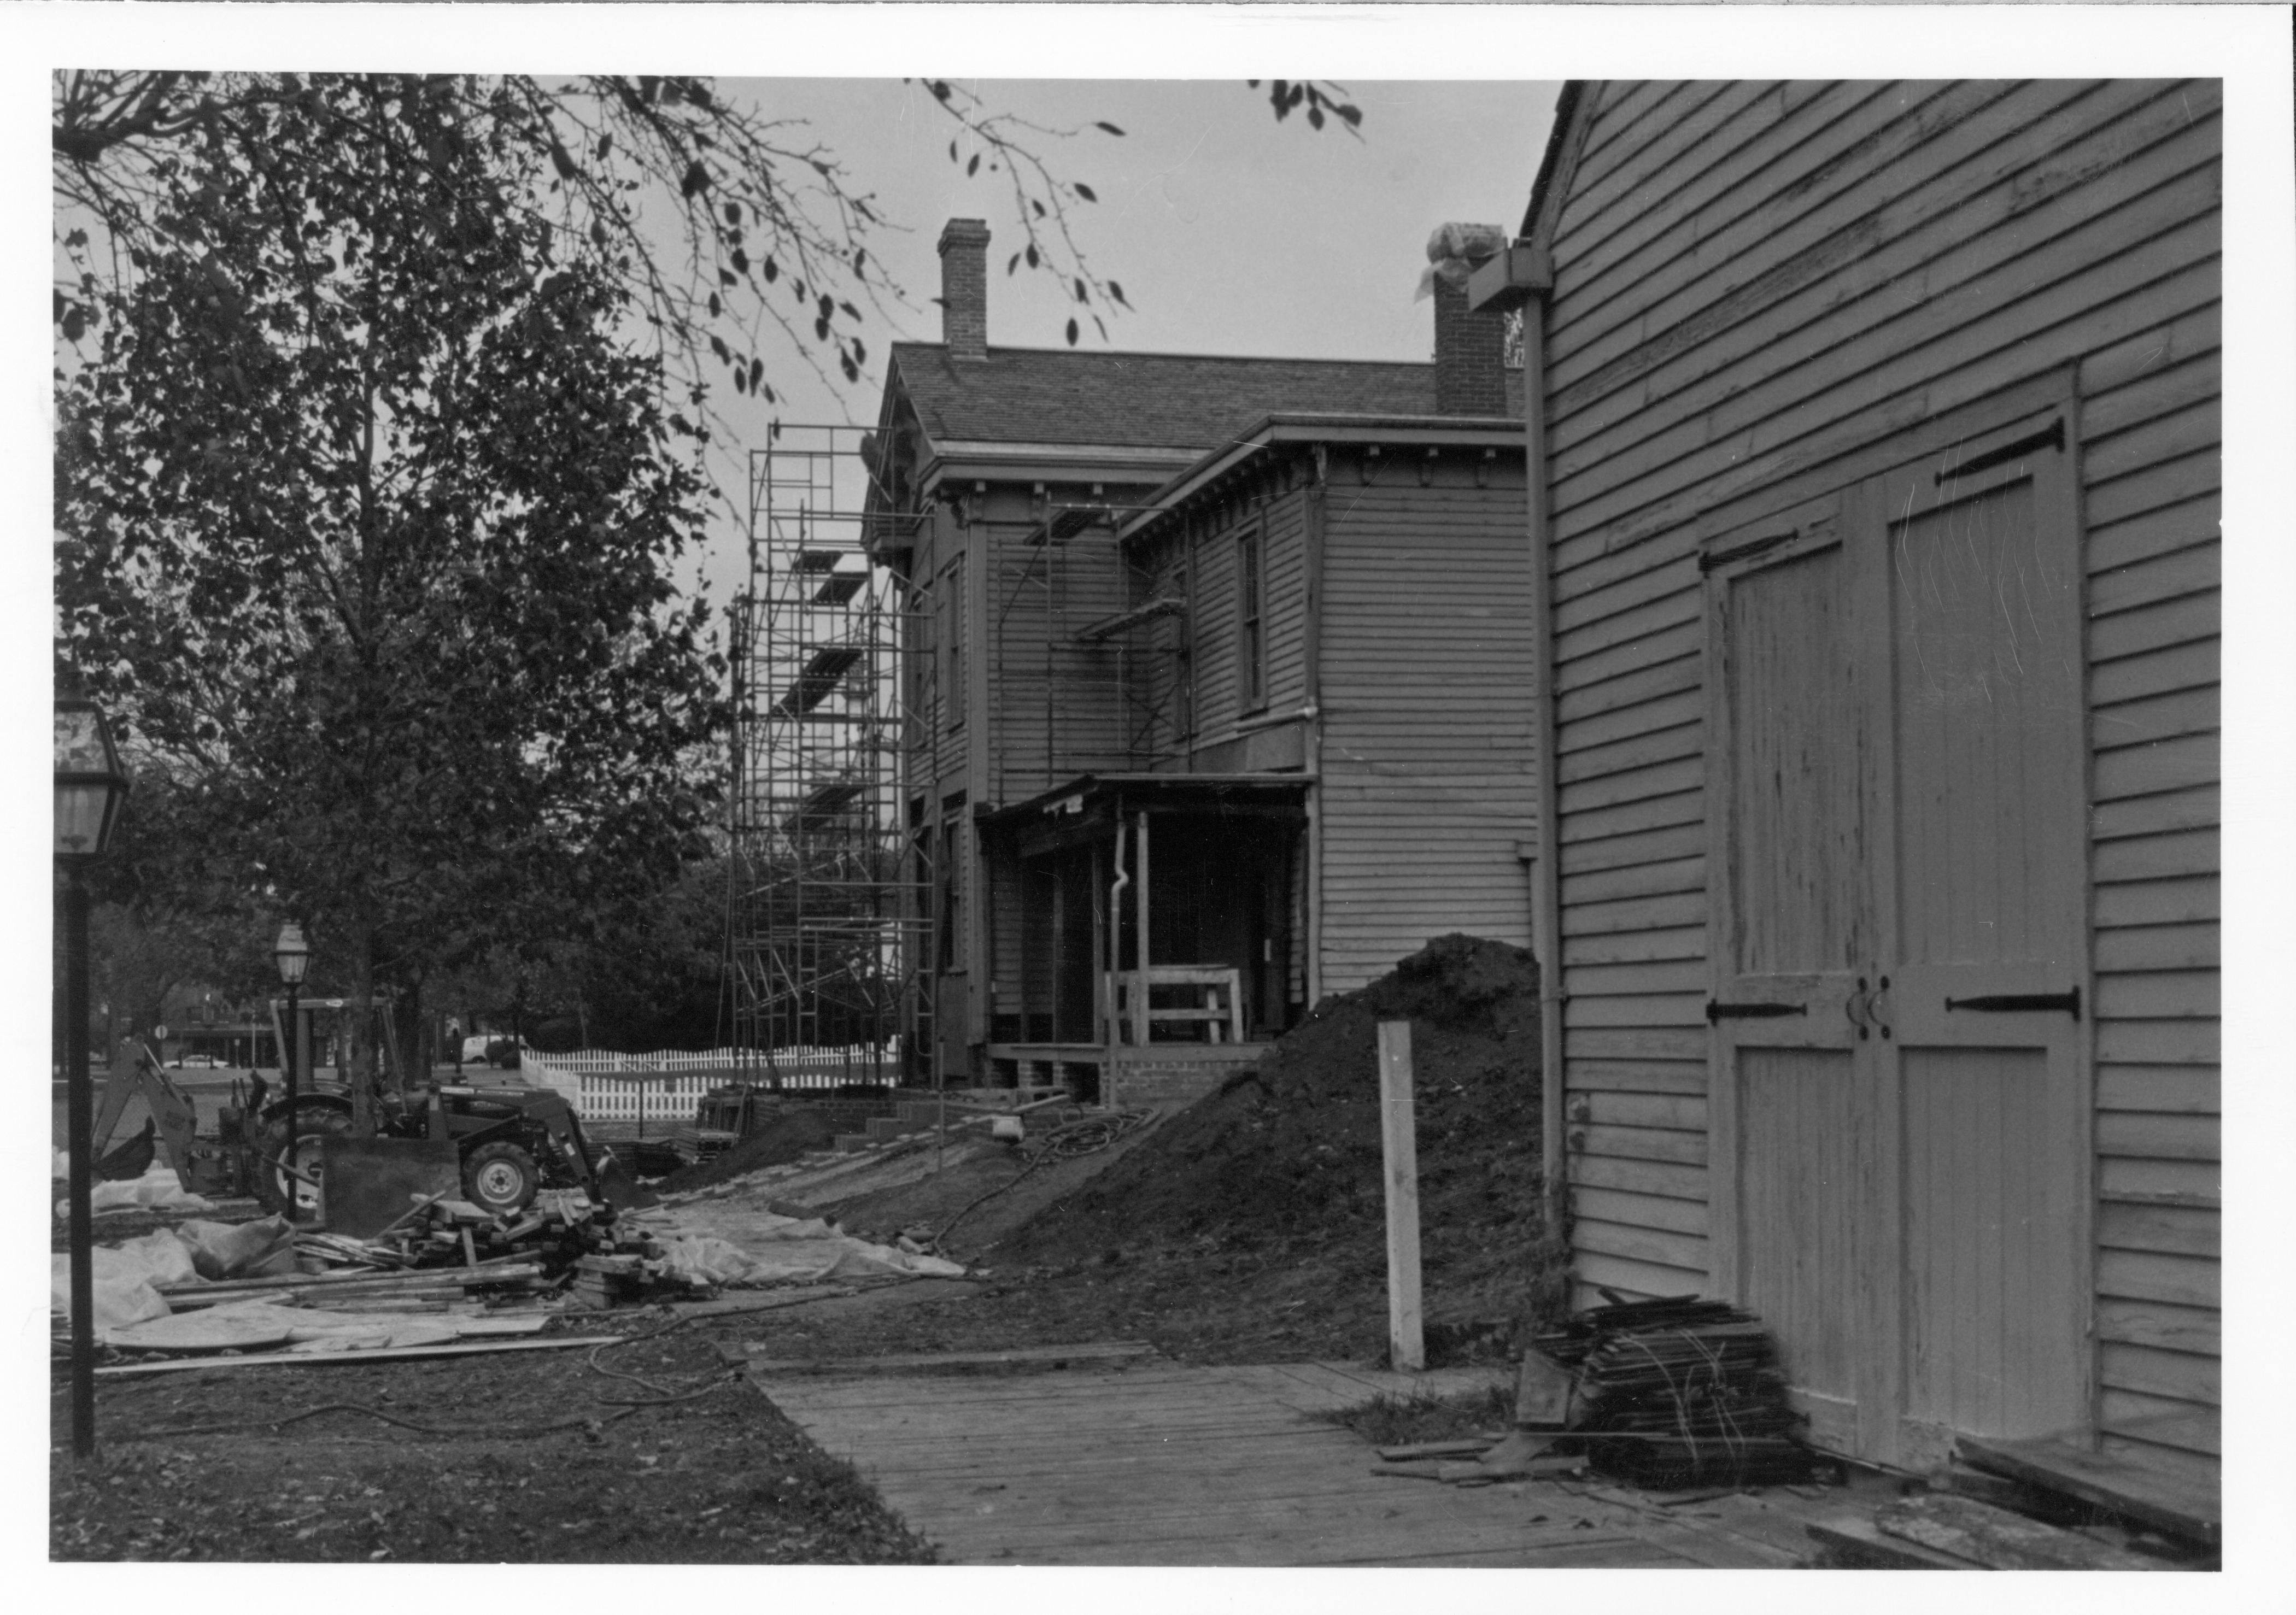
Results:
1898 863
1983 929
1792 926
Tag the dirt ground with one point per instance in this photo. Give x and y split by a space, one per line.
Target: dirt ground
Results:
531 1457
1249 1227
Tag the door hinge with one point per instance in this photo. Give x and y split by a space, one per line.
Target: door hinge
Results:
2010 1004
1719 1010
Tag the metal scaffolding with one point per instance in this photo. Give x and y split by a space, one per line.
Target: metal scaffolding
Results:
828 907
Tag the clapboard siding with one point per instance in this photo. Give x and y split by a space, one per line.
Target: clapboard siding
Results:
1055 708
1425 794
1767 293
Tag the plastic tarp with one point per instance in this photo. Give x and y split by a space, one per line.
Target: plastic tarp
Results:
245 1326
158 1190
262 1249
722 1245
126 1276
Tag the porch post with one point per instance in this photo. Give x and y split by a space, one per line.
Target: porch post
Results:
1140 908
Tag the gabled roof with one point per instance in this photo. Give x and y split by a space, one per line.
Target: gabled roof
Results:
1141 400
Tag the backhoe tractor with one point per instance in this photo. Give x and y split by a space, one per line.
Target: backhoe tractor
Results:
512 1141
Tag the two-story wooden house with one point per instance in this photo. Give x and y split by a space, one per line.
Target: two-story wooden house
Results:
1224 685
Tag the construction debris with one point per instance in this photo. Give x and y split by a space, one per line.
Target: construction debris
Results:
1677 1394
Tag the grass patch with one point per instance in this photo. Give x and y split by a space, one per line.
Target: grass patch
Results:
1392 1421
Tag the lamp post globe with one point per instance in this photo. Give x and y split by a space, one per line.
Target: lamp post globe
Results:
90 786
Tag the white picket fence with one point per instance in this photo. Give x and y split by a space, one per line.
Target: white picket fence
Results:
606 1086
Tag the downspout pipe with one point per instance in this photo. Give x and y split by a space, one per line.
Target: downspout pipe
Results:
1523 276
1547 911
1115 961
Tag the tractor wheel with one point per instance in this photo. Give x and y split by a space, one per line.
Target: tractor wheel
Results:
500 1177
313 1122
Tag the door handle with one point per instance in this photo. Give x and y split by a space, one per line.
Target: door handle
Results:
1717 1011
2010 1004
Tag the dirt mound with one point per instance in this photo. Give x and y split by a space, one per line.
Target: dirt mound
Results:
1283 1163
784 1138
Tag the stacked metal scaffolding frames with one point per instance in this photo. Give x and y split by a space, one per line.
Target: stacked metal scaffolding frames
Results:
829 907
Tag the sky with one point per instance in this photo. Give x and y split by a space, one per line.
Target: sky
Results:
1230 232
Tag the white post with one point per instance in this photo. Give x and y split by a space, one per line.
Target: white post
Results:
1399 1150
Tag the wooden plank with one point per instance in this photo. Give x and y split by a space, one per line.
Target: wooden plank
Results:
2195 1330
2175 1505
2139 1275
1398 1154
2169 482
2186 1182
372 1354
2151 719
2147 536
2173 1090
2172 902
2159 1042
2095 261
2163 390
2159 1138
1732 482
2194 568
1096 1351
2193 807
1637 1077
1686 1183
1657 1246
1998 1540
2169 1230
1638 1210
2160 995
2191 1427
2194 335
1853 1543
2165 856
2184 1376
1958 266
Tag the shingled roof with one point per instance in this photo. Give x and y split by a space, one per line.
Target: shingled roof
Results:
1144 400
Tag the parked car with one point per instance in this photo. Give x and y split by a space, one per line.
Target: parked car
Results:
199 1062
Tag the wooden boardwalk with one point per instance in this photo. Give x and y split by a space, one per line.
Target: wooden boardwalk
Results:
1163 1464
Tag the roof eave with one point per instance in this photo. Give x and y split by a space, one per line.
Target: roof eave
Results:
1278 431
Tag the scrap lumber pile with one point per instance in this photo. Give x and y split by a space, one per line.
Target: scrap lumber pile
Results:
446 1251
1680 1393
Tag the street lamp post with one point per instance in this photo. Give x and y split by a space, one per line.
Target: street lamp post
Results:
293 955
90 785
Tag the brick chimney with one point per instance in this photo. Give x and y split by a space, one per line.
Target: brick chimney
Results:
1470 348
965 288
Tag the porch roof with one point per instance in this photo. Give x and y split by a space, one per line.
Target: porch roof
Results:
1096 793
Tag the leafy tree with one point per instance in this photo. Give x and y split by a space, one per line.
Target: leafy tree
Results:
769 248
368 519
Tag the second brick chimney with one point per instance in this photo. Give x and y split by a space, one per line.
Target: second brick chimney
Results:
965 288
1470 348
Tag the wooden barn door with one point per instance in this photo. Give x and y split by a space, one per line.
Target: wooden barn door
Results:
1900 1131
1979 1002
1790 1092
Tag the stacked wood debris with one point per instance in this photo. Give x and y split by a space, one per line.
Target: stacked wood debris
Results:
443 1246
1673 1394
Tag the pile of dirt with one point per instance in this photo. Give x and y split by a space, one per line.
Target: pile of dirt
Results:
1282 1169
783 1138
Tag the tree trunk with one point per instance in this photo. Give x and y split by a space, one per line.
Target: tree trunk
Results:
358 1029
